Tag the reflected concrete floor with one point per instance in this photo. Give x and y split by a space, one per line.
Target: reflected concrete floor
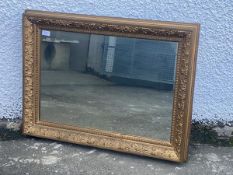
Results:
85 100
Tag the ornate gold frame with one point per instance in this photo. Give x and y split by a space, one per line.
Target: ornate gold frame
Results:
184 33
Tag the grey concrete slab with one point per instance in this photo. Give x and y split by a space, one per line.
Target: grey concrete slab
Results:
32 156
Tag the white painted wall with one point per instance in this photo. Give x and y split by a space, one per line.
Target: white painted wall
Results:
213 97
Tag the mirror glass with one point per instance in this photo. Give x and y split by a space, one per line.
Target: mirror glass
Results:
117 84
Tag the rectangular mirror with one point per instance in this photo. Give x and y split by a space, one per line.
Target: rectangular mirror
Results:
119 84
111 83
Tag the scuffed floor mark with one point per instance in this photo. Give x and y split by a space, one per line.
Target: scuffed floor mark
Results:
45 160
49 160
14 158
26 161
91 152
213 163
150 166
53 144
57 146
44 150
178 168
35 145
10 163
54 152
226 157
212 157
103 156
75 155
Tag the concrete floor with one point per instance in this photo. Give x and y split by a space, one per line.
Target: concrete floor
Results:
88 101
32 156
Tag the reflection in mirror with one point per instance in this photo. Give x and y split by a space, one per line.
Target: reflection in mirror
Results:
111 83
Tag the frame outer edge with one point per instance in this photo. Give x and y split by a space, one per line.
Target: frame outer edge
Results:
98 140
196 36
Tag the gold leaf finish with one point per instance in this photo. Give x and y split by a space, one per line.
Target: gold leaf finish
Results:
185 34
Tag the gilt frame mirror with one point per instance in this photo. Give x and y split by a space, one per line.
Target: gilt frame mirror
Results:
98 81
